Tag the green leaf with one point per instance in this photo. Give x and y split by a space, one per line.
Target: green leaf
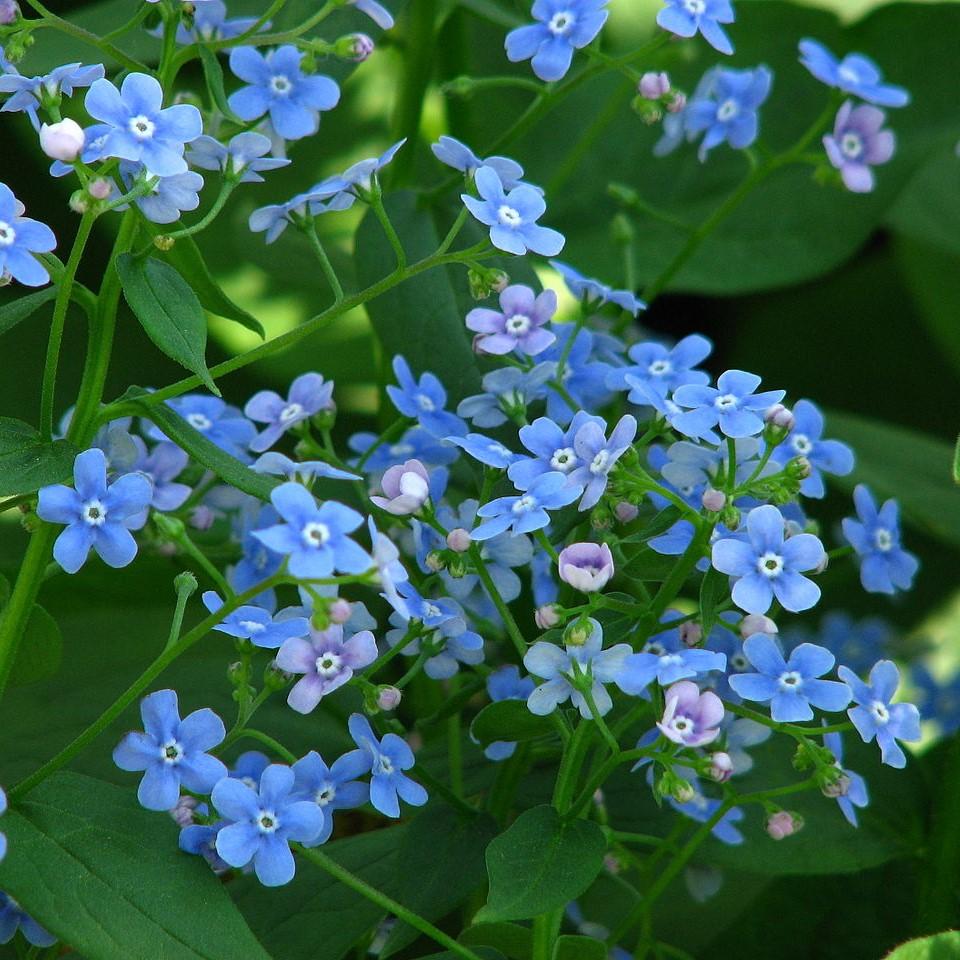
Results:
571 947
213 75
27 463
540 863
40 651
14 311
509 720
98 871
714 590
661 522
941 946
168 310
439 864
227 468
511 939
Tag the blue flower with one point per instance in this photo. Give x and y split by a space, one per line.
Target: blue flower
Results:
356 181
885 566
20 239
243 159
255 624
30 93
791 687
210 23
314 538
277 86
727 111
410 605
507 393
593 292
854 74
661 368
171 751
377 12
261 824
257 563
448 644
598 456
386 760
13 918
686 17
939 702
768 566
856 794
487 451
416 444
223 425
512 216
303 471
505 683
168 197
527 512
689 467
564 26
273 219
423 400
390 572
458 155
858 144
552 448
141 128
161 466
732 405
309 394
856 643
876 718
97 514
566 669
200 839
806 440
249 767
519 324
330 788
583 376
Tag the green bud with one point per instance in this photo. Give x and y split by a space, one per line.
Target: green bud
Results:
623 194
578 632
186 583
675 787
163 242
170 528
601 517
325 419
649 111
456 565
730 517
274 678
621 230
462 86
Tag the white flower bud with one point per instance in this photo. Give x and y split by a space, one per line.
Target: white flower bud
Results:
63 140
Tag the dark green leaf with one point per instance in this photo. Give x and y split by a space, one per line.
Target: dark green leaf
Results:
714 590
27 462
511 939
14 311
168 310
40 650
213 75
941 946
98 871
571 947
509 720
661 522
540 863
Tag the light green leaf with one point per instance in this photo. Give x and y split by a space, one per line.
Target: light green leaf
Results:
14 311
213 75
714 590
941 946
27 462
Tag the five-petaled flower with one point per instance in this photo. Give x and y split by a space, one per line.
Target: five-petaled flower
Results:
858 144
690 718
331 788
806 440
688 17
255 624
528 511
733 405
726 111
20 239
518 325
854 74
308 395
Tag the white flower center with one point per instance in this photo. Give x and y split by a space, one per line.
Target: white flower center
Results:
141 127
401 450
726 402
253 627
518 324
267 822
851 145
671 660
325 794
802 443
291 412
791 681
171 752
682 724
880 712
883 539
431 610
7 234
660 368
384 765
280 85
601 462
847 74
509 217
94 513
727 110
524 504
425 403
770 564
329 665
315 534
561 23
199 422
657 649
564 460
696 7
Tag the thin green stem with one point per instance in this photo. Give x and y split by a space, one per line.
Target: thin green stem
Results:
225 191
325 265
380 211
250 733
184 592
514 632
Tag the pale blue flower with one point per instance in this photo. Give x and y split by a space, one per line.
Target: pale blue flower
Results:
527 512
688 17
331 788
20 239
854 74
885 566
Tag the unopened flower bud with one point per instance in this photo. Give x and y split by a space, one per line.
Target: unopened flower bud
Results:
355 46
8 12
171 528
677 102
611 863
730 517
186 583
547 616
100 188
625 512
621 230
274 678
406 488
79 201
388 698
780 416
202 518
577 633
838 787
459 540
799 468
653 86
757 623
691 633
457 566
435 562
721 767
62 140
164 242
236 674
682 790
713 500
586 566
783 824
182 812
326 418
340 610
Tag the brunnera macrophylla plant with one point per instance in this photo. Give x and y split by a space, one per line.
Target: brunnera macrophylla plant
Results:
660 511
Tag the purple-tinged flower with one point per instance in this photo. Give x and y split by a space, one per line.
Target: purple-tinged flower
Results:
389 571
598 456
579 369
527 512
168 197
519 323
690 718
357 181
63 140
309 394
806 440
416 444
587 567
161 466
314 538
423 400
458 155
552 448
685 18
505 683
855 795
564 26
858 143
377 12
876 718
331 788
791 687
768 566
727 110
278 87
595 293
568 671
261 824
274 219
242 160
507 393
487 451
654 85
303 471
733 405
255 624
326 661
854 74
13 917
885 566
96 514
406 489
386 760
171 751
20 239
141 128
661 368
223 425
512 216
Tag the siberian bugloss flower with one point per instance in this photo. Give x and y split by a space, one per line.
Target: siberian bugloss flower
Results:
855 74
518 324
356 181
665 659
733 405
243 159
309 394
423 400
331 788
661 368
876 717
727 110
688 17
261 824
793 686
563 26
512 215
303 471
406 488
885 566
62 140
456 154
858 144
96 514
168 197
172 752
278 87
29 93
487 451
767 565
223 425
255 624
806 440
140 127
20 239
586 566
210 23
528 511
274 218
598 456
506 683
690 718
13 917
552 448
595 293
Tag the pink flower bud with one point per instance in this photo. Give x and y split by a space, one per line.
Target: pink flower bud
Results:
721 767
757 623
340 610
388 698
499 281
201 518
406 489
100 188
713 500
547 616
691 633
838 788
653 86
63 140
459 540
783 824
780 416
612 864
361 47
586 566
626 512
8 11
677 103
182 813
